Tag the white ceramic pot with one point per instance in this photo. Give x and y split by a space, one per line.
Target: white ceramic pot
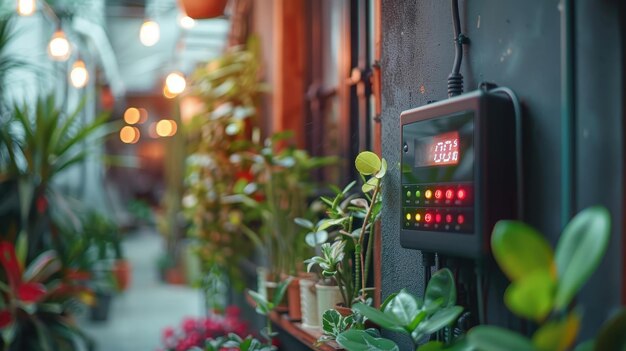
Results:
308 304
327 298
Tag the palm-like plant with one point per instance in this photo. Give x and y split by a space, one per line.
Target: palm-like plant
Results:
35 147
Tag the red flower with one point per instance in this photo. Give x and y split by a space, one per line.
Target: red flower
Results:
6 318
188 325
31 292
41 204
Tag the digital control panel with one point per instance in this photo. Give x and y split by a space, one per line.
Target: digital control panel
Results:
458 174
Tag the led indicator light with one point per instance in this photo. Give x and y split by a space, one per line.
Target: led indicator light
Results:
461 194
449 194
408 193
418 217
438 194
428 218
460 219
408 216
448 218
418 193
438 218
428 194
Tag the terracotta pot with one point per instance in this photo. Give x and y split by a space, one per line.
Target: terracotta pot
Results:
343 310
293 300
122 271
174 276
200 9
308 302
327 298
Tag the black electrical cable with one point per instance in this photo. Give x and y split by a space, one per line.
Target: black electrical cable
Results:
455 79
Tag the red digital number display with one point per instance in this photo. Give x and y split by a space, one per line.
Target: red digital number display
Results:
438 150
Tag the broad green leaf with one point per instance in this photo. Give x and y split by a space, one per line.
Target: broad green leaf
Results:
432 346
383 169
304 223
580 250
531 297
384 320
440 290
360 340
491 338
404 308
327 223
391 296
557 335
440 319
331 320
370 185
612 335
314 239
367 163
519 249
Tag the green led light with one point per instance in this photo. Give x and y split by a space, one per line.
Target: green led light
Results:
408 193
418 193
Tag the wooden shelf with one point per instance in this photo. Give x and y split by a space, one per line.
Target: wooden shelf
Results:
305 335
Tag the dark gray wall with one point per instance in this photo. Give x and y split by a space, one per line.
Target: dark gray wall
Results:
515 44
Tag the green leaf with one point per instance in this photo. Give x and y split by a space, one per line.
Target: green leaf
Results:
280 291
262 305
491 338
330 321
317 238
531 297
367 163
404 307
612 335
384 320
441 318
432 346
519 249
580 250
391 296
558 335
440 290
590 345
383 170
304 223
370 185
360 340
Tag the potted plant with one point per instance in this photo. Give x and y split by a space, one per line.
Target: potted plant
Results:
348 259
202 9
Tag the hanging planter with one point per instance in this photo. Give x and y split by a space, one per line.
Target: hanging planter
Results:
201 9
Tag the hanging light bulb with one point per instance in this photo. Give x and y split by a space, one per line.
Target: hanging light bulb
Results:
26 7
79 76
150 33
175 83
59 47
186 21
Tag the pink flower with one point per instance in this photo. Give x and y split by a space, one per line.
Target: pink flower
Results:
232 311
188 325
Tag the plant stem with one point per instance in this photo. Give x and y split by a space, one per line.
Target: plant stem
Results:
369 247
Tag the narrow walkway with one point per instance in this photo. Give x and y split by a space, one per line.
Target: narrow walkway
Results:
138 315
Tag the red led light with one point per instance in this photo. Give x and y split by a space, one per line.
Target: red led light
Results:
438 218
438 194
428 218
448 218
460 219
449 194
460 194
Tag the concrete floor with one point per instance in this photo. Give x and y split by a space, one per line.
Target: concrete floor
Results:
138 315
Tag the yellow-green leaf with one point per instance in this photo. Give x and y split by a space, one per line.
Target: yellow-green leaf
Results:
557 335
367 163
531 297
520 250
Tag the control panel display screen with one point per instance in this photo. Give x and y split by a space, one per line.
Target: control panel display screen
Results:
437 150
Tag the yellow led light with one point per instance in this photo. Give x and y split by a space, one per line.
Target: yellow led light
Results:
408 216
428 194
418 217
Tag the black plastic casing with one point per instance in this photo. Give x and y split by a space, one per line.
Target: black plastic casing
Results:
492 178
